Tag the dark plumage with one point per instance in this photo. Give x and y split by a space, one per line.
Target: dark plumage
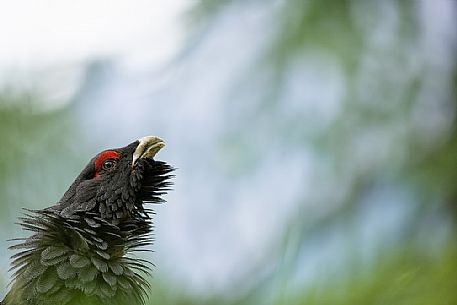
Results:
79 252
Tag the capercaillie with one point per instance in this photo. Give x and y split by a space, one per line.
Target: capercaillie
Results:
80 250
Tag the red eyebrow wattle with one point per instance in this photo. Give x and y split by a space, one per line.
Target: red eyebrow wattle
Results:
110 154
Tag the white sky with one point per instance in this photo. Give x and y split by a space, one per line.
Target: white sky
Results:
50 32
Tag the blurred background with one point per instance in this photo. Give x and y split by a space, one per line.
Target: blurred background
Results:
315 140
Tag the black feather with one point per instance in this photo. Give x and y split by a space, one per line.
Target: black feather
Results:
81 249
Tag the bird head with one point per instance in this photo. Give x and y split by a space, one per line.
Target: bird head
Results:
117 182
79 250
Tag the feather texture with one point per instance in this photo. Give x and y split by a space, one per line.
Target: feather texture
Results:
81 252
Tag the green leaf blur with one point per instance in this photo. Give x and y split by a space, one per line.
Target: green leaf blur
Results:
384 135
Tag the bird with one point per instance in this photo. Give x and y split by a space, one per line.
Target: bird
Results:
81 249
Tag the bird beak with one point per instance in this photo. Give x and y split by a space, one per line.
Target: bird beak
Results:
147 148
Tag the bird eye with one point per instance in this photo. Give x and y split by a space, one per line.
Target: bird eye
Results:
109 164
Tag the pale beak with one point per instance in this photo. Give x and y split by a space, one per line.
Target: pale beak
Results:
147 148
